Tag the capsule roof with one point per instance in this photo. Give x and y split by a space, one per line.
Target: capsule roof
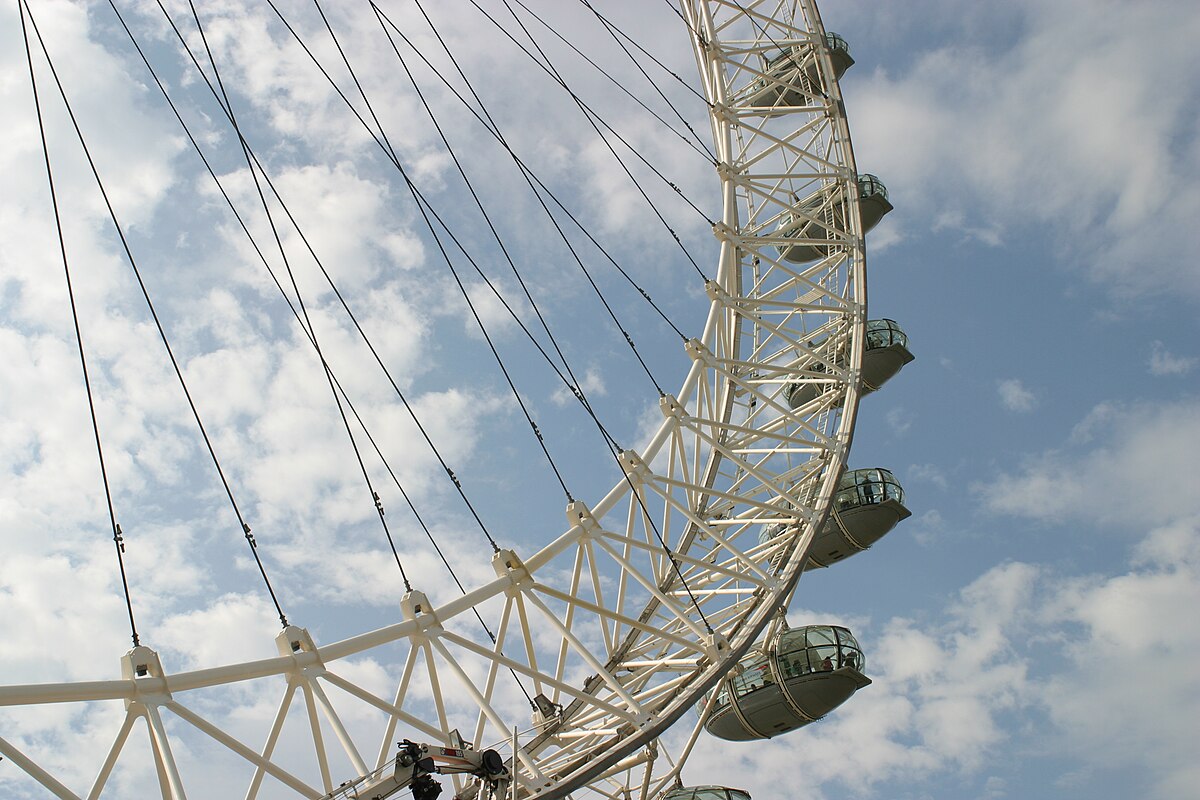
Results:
705 793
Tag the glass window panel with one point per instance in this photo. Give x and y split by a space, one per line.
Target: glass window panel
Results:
825 658
794 664
821 634
755 675
844 637
791 641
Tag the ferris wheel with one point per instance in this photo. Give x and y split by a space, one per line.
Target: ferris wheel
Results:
660 598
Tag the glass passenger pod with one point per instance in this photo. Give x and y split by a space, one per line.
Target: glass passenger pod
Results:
787 84
817 214
886 353
867 505
839 54
797 678
873 200
705 793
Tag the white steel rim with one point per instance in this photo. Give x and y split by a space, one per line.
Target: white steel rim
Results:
729 458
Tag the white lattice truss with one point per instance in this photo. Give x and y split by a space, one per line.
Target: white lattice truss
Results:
602 621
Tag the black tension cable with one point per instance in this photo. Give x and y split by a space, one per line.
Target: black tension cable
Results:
573 383
345 396
699 95
362 333
531 177
412 507
592 115
446 256
295 313
648 519
575 390
228 107
617 35
118 540
157 322
578 261
593 118
696 143
422 201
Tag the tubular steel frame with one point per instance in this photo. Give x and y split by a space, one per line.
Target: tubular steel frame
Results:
599 621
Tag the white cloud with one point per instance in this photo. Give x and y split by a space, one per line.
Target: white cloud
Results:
1015 396
960 149
927 528
1142 624
592 384
930 473
899 420
1164 362
934 705
1139 474
964 691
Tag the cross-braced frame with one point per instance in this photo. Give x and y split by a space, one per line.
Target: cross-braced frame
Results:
622 622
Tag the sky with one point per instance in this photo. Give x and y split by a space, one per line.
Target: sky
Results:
1030 631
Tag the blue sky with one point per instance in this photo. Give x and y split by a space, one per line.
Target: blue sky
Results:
1031 630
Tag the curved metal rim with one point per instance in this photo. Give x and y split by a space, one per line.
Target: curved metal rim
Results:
752 623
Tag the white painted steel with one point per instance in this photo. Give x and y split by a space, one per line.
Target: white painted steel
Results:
729 457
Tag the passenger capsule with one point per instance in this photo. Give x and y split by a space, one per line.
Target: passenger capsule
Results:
867 505
886 352
786 83
820 213
705 793
797 678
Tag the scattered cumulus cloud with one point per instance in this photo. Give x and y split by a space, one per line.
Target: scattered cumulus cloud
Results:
965 152
1138 472
899 420
1097 420
1148 614
1164 362
592 384
930 473
1015 396
927 528
1014 661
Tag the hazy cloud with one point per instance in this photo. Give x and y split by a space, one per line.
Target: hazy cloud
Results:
1139 471
1015 396
1077 91
1164 362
